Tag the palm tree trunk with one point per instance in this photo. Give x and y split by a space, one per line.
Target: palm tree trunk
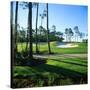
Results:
30 31
36 30
49 49
16 18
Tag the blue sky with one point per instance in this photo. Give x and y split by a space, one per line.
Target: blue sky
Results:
62 16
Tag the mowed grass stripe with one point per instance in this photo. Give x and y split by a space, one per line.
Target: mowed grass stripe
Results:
65 64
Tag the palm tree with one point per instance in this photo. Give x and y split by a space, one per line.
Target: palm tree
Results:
16 18
30 30
49 49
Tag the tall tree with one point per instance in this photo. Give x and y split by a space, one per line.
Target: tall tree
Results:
54 29
49 49
81 35
70 34
12 42
43 15
76 29
36 28
66 32
27 39
11 15
22 34
12 31
59 34
30 30
24 5
16 18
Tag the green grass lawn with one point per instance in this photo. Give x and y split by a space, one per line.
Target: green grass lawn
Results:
76 65
82 48
59 70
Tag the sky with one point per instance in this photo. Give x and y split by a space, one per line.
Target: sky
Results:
60 15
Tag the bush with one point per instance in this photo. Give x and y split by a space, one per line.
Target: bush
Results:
85 40
23 59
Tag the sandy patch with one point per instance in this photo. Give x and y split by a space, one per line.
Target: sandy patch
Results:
68 45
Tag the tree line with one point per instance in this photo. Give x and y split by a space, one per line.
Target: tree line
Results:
73 33
29 35
37 35
23 33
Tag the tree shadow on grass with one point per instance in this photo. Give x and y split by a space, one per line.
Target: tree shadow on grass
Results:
59 70
69 62
57 76
74 75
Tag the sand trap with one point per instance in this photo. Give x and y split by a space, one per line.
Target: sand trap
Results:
68 45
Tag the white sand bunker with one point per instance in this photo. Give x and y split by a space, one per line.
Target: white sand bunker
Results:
67 45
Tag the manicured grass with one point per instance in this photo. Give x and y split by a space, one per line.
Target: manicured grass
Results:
82 48
78 65
58 71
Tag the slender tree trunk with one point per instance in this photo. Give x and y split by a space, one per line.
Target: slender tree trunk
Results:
49 49
75 37
66 37
30 31
70 38
12 43
27 41
11 19
36 30
12 31
40 32
16 18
